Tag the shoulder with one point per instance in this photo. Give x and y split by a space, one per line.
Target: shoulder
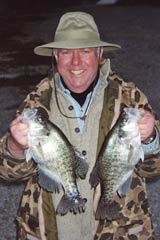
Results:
40 96
128 90
114 76
43 85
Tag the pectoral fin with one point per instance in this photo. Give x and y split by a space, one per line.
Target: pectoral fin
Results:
47 182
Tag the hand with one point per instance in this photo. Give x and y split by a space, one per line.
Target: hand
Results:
146 125
18 140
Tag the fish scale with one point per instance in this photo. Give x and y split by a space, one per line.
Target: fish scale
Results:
118 156
59 163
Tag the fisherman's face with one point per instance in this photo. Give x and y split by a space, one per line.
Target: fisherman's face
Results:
78 67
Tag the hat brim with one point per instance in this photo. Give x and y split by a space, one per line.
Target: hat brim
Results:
46 49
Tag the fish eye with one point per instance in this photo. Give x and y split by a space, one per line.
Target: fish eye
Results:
40 119
125 120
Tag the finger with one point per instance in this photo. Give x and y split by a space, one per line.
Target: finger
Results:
18 123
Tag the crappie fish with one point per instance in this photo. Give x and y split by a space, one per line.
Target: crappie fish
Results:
58 163
118 156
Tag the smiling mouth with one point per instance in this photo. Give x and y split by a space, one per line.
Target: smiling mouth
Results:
77 72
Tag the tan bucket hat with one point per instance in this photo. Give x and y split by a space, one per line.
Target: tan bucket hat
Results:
75 30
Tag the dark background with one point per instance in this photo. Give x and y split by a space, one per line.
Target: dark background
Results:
135 25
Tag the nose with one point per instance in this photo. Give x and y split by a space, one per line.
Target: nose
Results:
76 58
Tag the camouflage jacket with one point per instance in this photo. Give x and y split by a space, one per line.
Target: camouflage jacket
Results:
118 95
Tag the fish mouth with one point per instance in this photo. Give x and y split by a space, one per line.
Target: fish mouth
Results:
29 115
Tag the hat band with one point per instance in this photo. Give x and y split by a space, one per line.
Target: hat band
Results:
76 35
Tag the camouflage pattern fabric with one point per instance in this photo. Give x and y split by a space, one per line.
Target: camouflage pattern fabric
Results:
134 220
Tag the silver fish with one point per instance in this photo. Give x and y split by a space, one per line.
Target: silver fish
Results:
118 156
59 164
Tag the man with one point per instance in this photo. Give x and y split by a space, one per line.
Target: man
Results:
83 97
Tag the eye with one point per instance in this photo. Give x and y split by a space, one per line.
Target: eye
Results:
65 52
85 51
125 120
40 119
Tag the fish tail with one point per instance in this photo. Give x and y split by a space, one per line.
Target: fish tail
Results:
74 204
107 209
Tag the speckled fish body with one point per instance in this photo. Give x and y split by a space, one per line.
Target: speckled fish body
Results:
59 164
118 156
